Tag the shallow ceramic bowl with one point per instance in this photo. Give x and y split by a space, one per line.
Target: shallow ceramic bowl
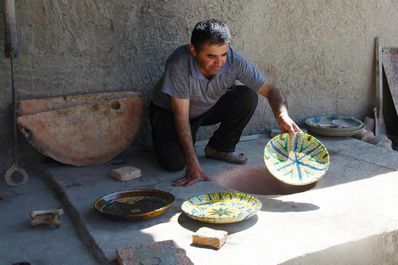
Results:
333 133
296 158
134 205
334 123
221 207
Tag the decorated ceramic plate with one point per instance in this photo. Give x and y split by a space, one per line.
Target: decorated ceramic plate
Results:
135 205
334 123
221 207
296 158
333 132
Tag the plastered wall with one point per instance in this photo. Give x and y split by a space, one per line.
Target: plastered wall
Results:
320 52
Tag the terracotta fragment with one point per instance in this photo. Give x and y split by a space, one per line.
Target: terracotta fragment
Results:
33 106
85 134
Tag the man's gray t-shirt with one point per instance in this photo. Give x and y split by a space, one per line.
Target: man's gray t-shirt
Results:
183 79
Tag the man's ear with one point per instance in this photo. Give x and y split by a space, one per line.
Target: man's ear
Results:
192 49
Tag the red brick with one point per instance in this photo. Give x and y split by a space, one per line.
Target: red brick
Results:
210 237
126 173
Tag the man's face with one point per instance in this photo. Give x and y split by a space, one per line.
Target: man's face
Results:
211 58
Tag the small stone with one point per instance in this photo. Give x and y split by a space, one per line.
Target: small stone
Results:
126 173
210 237
386 144
361 134
368 136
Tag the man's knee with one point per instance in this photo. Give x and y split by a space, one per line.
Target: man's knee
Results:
170 158
247 96
172 164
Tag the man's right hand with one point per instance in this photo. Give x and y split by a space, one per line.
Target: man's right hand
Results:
193 174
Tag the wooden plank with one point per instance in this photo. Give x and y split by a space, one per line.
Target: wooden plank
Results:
390 64
380 125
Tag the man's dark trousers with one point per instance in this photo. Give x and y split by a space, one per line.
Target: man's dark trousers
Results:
233 110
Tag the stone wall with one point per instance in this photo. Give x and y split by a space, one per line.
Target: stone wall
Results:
320 52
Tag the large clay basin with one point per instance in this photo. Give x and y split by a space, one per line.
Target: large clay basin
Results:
33 106
83 134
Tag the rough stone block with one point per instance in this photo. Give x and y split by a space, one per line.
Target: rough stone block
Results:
162 252
126 173
210 237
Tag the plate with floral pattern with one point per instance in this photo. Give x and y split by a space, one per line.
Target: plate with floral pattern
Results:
221 207
296 158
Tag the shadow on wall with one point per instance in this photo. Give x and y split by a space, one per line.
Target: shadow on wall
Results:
379 249
27 154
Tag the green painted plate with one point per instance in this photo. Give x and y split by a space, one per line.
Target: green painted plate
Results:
296 158
221 207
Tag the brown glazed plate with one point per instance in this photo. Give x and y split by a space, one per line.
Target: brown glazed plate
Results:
135 205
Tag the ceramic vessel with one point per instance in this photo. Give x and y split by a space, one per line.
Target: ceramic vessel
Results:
296 158
134 205
221 207
334 125
81 130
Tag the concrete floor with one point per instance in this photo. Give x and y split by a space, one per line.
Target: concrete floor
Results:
42 245
349 217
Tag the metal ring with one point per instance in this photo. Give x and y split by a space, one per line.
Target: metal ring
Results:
11 171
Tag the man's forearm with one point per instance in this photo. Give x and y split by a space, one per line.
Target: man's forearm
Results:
193 172
185 139
278 102
180 109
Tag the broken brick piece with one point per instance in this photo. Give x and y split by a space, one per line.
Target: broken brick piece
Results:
126 173
49 217
210 237
162 252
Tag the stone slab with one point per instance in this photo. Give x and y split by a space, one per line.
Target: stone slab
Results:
162 252
353 201
43 244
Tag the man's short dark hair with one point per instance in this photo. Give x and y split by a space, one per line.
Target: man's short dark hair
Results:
212 31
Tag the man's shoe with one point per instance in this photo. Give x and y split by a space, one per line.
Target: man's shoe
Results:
230 157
